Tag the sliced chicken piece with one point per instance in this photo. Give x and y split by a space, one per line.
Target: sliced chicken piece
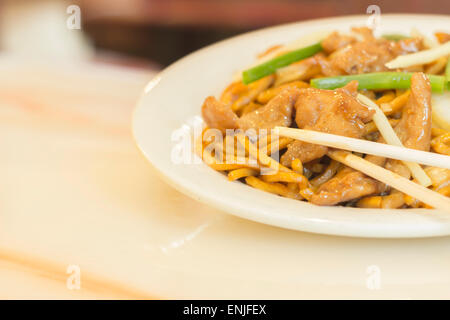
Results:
414 128
406 46
336 41
370 54
233 92
218 115
363 33
277 112
362 57
347 185
332 111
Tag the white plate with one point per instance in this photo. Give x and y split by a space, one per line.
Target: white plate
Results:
174 98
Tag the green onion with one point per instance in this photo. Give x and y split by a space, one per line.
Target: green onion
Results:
378 81
447 73
272 65
394 37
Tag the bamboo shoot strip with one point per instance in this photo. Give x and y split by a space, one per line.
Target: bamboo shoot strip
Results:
396 181
419 58
391 137
365 146
272 65
378 81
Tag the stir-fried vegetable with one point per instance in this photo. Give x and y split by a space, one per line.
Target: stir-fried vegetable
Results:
378 81
421 57
272 65
394 37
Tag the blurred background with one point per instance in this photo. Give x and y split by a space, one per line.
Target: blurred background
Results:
158 32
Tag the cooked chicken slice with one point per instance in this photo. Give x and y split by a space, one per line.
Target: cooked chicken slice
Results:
347 185
332 111
362 57
369 54
252 91
277 112
406 46
351 184
218 115
414 128
363 33
304 151
233 92
326 67
336 41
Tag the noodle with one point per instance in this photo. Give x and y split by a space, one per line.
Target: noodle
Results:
440 144
242 173
396 104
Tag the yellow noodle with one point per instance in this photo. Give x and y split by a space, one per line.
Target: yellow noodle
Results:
438 176
233 92
241 173
276 188
254 89
440 144
370 202
286 177
392 201
371 127
292 186
252 106
229 165
307 193
270 93
280 145
396 104
445 191
412 202
262 157
387 97
302 70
